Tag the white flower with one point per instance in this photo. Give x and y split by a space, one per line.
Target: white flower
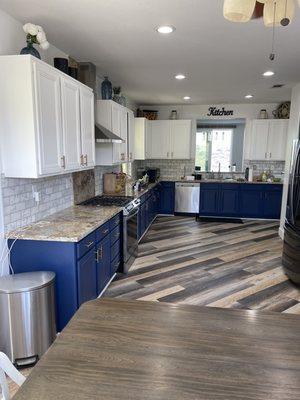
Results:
40 29
31 29
41 37
44 45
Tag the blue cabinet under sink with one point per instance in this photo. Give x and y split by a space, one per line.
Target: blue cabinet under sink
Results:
243 200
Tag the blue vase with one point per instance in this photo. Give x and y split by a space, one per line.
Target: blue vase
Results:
29 49
106 89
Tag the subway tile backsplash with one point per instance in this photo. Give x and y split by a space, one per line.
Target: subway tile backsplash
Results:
19 206
56 193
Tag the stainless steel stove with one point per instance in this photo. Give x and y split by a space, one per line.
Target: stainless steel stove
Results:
131 208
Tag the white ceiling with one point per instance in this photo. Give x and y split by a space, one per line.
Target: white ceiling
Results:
223 61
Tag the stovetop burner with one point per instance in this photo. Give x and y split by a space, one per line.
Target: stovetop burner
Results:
108 201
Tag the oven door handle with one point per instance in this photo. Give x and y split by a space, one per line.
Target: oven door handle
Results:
131 215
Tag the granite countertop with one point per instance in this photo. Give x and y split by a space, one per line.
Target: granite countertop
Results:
69 225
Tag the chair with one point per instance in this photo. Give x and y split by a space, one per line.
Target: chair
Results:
7 368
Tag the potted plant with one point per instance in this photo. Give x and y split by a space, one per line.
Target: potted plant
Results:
34 35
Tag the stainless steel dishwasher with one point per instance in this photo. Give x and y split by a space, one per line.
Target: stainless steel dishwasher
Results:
187 197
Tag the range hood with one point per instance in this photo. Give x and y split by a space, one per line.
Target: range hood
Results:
103 135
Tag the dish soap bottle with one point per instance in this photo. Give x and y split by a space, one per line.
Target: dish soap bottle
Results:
264 176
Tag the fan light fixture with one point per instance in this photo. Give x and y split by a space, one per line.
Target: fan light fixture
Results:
275 12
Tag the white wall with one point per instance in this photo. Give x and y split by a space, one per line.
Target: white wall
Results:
293 133
13 39
196 112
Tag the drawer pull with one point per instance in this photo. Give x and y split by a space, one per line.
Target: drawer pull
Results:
105 231
117 235
88 245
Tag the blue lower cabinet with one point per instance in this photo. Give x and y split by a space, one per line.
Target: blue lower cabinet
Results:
115 264
255 200
167 200
229 205
87 277
272 202
80 273
103 264
209 200
251 201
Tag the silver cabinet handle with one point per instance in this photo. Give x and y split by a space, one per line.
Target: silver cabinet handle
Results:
90 244
63 161
172 154
86 160
270 155
167 154
105 231
81 160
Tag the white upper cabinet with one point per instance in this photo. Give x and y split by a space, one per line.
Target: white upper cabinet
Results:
169 139
277 140
118 120
141 138
48 118
180 139
70 96
268 139
159 137
131 135
87 127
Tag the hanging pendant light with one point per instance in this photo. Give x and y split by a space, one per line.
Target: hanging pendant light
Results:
238 10
278 12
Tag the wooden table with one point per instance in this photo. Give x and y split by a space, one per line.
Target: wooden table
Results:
137 350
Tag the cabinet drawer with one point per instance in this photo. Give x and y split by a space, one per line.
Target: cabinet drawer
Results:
86 244
114 221
102 231
116 264
115 234
115 250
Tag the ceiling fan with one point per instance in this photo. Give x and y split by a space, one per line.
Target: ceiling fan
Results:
273 12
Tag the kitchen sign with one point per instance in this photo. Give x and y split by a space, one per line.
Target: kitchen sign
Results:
216 112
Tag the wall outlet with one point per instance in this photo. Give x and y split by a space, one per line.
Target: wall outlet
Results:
36 196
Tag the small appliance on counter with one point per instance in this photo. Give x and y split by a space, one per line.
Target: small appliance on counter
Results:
197 174
153 174
114 183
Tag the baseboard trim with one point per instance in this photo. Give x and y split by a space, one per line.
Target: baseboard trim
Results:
281 233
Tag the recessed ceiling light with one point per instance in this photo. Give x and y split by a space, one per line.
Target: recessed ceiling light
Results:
180 76
186 98
268 73
248 96
165 29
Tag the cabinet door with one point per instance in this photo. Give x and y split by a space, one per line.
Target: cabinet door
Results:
87 127
103 264
48 104
180 139
277 139
251 201
209 198
86 275
131 136
167 199
116 118
259 139
229 200
71 124
272 201
159 140
124 134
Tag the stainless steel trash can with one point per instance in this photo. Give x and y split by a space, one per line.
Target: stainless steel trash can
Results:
27 316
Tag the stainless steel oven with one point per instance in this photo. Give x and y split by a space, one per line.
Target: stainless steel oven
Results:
130 233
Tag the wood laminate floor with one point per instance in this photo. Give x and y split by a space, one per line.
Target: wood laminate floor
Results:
217 264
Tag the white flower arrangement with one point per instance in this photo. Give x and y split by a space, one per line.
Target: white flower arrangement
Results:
36 34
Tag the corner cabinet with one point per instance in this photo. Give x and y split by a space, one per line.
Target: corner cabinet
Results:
268 139
48 120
